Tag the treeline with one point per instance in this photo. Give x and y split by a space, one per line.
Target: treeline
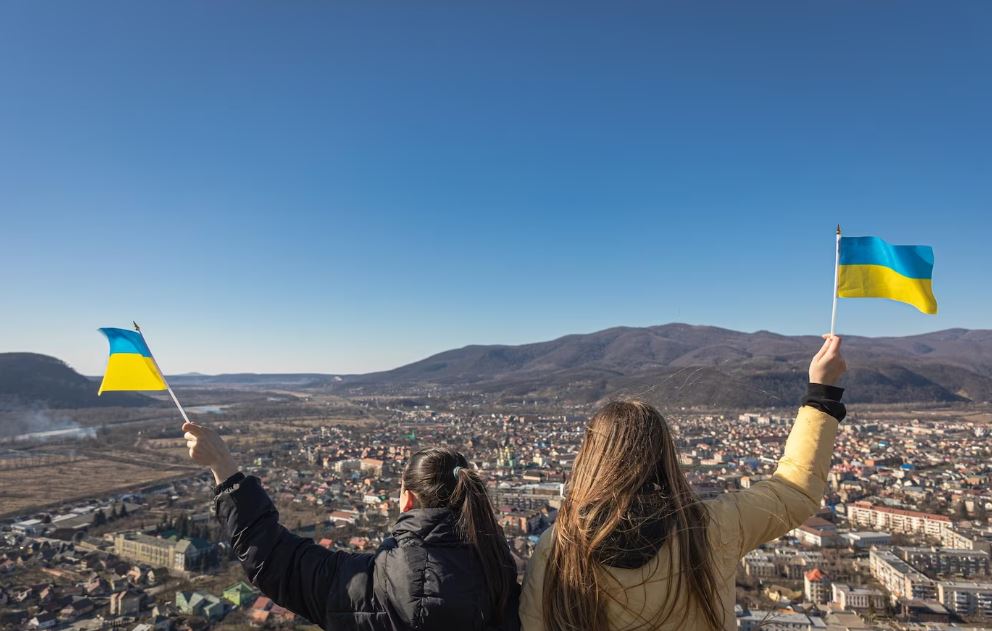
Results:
118 511
184 526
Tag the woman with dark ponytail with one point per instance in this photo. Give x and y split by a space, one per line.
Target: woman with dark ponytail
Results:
467 504
446 566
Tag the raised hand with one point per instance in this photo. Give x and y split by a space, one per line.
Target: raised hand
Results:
828 364
207 448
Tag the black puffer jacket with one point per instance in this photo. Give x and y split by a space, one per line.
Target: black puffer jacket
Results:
423 578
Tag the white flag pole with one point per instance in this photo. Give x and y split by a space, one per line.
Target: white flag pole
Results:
173 395
833 312
167 386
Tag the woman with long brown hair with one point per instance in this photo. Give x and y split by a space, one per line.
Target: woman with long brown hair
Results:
633 547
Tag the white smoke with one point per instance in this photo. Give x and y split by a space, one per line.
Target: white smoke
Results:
36 422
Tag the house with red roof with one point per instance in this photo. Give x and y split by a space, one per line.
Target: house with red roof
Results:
816 586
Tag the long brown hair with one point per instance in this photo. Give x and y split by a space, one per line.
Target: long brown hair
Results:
443 478
627 496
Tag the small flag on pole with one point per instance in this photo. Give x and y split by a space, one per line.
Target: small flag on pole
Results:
131 366
868 267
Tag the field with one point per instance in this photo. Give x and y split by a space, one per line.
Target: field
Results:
56 478
130 451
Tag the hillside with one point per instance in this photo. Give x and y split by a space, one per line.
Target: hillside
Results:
672 365
32 379
681 364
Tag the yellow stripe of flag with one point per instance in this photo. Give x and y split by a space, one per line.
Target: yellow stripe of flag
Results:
877 281
130 371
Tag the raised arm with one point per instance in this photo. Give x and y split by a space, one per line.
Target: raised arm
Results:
773 507
294 572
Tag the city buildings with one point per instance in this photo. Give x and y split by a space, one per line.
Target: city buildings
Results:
899 539
757 620
817 587
126 603
966 598
895 520
857 598
200 604
182 555
241 594
899 578
949 561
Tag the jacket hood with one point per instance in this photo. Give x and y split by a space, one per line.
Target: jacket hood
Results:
639 535
431 525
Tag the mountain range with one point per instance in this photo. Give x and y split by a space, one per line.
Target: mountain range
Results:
671 365
687 365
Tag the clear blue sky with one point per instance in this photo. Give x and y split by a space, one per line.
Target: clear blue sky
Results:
344 187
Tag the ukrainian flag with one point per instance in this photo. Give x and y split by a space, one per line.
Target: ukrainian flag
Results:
131 366
871 268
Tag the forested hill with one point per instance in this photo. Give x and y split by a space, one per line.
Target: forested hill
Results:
33 379
681 364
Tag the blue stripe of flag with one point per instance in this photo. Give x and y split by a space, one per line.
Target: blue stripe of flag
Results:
912 261
124 341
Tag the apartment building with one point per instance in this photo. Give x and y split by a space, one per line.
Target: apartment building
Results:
966 598
899 578
368 466
816 532
953 538
857 598
816 587
897 520
182 555
933 560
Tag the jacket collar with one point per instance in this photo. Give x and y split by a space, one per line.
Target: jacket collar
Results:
638 537
434 525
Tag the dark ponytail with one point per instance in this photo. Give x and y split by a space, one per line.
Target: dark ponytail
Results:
443 478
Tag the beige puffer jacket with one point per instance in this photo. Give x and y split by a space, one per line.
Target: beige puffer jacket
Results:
740 521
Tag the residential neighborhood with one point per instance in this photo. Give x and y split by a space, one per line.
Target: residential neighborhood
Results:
902 538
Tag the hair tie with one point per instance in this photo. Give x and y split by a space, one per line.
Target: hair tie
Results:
455 472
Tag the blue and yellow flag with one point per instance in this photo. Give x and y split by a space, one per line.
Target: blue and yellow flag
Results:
131 366
871 268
